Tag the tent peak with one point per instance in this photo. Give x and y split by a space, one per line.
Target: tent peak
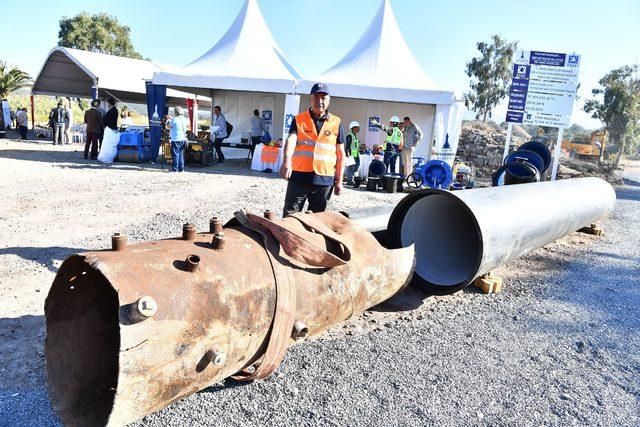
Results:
380 57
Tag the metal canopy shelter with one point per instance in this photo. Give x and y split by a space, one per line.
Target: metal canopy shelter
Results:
84 74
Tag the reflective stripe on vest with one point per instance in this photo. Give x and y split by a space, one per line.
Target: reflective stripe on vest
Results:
316 152
355 145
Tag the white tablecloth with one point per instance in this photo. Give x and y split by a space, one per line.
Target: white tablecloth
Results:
365 161
257 165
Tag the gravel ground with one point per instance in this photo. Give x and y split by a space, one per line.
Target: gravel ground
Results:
559 346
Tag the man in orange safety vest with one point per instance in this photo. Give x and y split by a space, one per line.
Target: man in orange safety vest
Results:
313 154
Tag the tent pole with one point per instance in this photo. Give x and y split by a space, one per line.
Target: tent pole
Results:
33 112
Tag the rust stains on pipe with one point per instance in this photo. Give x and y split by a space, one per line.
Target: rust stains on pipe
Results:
105 366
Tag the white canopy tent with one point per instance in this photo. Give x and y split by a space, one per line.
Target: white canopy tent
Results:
82 74
243 71
379 78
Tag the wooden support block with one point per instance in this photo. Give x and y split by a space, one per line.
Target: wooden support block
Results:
592 229
488 283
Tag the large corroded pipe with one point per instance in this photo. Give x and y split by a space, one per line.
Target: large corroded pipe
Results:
460 235
131 330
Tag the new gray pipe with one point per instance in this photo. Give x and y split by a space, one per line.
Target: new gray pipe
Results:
461 235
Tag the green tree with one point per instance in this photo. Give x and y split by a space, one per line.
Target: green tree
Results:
98 33
490 76
617 106
12 79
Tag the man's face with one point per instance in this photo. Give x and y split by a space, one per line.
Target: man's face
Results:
407 121
217 111
356 129
320 103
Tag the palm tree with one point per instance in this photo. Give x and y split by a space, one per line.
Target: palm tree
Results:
12 79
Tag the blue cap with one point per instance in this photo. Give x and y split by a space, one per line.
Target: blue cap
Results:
320 88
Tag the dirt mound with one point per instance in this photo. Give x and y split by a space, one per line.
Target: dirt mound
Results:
482 144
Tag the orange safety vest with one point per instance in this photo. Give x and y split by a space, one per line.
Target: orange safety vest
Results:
316 152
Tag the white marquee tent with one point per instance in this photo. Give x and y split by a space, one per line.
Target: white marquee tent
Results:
80 73
243 71
380 77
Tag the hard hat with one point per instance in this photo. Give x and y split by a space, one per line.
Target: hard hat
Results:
353 124
395 119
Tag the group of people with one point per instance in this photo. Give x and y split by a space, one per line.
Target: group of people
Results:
97 119
219 131
400 141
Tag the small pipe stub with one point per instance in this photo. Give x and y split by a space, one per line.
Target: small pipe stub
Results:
218 240
300 331
118 242
188 231
192 262
215 225
147 307
270 215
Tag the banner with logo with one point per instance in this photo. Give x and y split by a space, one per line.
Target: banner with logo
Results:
156 108
291 108
447 131
265 106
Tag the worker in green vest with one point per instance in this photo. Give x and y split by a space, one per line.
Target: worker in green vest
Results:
392 144
352 150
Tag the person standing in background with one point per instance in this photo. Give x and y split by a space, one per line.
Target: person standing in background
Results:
68 123
93 119
411 135
59 116
258 127
220 133
352 149
110 119
392 144
178 136
102 114
22 122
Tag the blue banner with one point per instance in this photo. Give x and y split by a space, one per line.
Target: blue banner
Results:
547 58
157 109
515 116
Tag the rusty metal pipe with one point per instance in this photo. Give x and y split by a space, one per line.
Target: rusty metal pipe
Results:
130 332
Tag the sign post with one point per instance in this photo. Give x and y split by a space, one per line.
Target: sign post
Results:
543 91
507 143
556 154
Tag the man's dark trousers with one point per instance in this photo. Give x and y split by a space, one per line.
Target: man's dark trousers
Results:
255 140
92 140
390 158
217 145
298 193
177 155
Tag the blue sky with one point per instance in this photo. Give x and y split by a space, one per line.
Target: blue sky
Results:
315 34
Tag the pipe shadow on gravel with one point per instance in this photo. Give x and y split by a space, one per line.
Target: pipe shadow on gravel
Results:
23 395
42 255
628 193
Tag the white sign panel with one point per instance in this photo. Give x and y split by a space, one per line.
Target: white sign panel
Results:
6 115
291 106
543 88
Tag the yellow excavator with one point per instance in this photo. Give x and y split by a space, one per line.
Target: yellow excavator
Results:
590 149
